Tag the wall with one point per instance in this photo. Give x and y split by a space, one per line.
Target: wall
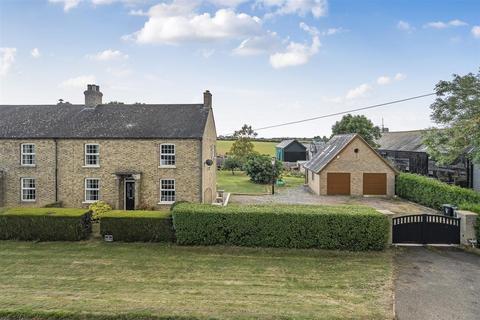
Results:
365 161
313 181
417 161
43 172
209 173
115 156
2 189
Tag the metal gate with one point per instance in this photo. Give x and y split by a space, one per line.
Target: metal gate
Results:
426 229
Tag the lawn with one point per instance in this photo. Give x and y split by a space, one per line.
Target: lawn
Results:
240 183
263 147
97 280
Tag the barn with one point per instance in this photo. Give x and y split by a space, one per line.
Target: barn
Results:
290 150
347 165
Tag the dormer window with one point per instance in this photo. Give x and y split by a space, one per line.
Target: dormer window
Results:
28 154
167 155
92 155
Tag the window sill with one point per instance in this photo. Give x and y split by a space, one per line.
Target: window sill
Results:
166 202
90 166
90 201
167 167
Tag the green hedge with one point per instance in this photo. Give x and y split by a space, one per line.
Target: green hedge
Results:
45 224
288 226
431 192
474 208
137 225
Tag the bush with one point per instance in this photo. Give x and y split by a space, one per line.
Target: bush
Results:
99 208
129 226
260 170
474 208
432 193
45 224
231 163
288 226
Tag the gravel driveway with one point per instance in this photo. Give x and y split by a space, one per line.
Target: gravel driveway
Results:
437 283
301 195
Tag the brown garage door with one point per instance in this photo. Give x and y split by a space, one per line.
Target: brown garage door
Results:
375 183
338 183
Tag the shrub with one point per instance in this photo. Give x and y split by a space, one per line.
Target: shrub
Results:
45 224
432 193
99 208
129 226
474 208
231 163
288 226
260 170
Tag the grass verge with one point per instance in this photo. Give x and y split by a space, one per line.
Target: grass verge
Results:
96 280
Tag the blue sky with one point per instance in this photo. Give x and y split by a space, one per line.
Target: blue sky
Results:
265 61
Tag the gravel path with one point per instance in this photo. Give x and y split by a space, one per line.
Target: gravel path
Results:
301 195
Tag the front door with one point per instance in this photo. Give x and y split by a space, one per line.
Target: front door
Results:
129 195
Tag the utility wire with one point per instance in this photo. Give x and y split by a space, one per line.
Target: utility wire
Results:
347 111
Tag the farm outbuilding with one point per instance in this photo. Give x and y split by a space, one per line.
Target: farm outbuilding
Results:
347 165
290 151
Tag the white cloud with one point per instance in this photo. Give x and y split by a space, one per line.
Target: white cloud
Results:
35 53
333 31
7 58
358 92
318 8
108 55
78 82
256 45
400 77
67 4
444 25
178 22
404 26
476 32
383 80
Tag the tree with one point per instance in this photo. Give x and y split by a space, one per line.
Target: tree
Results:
243 146
457 110
358 124
260 170
232 163
320 139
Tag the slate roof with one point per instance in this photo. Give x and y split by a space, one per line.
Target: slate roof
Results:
402 141
284 143
105 121
329 151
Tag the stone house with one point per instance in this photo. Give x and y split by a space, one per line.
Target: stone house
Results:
347 165
132 156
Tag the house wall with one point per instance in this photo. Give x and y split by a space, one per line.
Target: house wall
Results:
209 173
115 156
365 161
313 181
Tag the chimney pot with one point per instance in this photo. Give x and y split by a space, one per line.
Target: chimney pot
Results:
207 99
93 96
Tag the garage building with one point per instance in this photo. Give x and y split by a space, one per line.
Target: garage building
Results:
347 165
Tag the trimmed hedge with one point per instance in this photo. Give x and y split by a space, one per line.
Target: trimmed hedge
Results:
431 192
130 226
288 226
45 224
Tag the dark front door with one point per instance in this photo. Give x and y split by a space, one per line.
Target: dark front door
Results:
129 195
426 229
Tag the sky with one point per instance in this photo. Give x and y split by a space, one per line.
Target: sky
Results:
265 61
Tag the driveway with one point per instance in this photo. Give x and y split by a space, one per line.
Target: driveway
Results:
301 195
437 283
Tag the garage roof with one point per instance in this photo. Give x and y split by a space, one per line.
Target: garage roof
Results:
327 152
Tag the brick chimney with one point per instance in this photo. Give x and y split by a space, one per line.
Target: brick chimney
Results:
93 96
207 100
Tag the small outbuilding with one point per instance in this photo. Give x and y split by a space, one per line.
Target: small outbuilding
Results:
347 165
290 150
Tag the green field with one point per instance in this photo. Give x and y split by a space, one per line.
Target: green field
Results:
98 280
240 183
263 147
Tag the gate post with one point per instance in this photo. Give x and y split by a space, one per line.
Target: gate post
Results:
390 215
467 226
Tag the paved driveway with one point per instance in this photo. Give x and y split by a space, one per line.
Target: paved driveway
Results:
437 283
301 195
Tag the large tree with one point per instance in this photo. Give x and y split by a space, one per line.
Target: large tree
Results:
358 124
243 146
457 111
